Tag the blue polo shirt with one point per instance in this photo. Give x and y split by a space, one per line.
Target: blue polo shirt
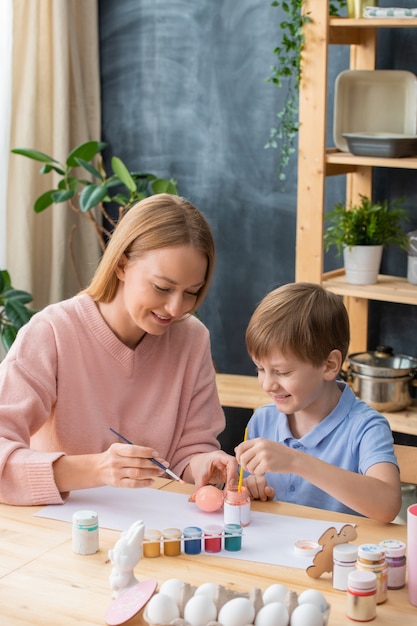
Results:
353 436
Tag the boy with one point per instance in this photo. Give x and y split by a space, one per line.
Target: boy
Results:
318 444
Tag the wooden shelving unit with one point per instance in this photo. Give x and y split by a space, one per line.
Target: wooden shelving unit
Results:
316 161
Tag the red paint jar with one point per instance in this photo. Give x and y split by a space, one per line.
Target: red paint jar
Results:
213 538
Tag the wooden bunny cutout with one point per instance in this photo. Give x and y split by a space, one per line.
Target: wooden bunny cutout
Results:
323 560
125 555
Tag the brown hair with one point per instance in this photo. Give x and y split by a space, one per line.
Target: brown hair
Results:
160 221
301 318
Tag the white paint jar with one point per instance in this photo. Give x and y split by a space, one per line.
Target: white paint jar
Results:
85 532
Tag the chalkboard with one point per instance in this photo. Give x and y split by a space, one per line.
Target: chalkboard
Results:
184 95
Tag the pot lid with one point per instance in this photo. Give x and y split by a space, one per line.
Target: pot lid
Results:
382 362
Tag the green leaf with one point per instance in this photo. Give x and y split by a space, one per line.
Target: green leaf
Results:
17 294
90 168
44 201
86 151
5 281
34 154
121 199
62 196
8 335
121 171
91 196
17 313
45 169
161 185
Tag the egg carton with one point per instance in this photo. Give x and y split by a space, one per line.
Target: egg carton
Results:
223 595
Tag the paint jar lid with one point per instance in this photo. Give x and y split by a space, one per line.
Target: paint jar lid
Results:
85 518
171 533
393 547
371 552
233 529
192 532
235 495
306 547
152 534
362 581
345 552
213 530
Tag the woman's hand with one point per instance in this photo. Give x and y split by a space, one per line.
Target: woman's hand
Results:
121 465
211 468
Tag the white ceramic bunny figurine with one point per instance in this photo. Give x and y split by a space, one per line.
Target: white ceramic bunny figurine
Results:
125 555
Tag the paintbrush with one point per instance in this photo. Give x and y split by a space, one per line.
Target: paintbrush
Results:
239 485
158 463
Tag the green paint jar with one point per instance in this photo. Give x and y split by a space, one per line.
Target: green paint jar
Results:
233 537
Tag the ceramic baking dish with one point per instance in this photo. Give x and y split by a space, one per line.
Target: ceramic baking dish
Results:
374 101
389 145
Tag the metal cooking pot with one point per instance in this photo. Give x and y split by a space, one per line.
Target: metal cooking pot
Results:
382 379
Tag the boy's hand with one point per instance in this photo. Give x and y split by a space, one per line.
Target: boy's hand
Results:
260 455
258 488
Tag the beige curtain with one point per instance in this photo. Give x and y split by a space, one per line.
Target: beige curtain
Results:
55 107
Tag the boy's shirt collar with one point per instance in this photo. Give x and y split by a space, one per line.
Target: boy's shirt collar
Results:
325 427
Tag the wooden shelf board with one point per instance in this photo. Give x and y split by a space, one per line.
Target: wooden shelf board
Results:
335 157
245 392
377 22
404 421
387 289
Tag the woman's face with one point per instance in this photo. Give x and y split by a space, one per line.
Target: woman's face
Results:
154 291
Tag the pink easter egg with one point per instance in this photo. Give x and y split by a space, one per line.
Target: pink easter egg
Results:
209 498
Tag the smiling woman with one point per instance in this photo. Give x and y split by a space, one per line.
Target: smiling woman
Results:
125 354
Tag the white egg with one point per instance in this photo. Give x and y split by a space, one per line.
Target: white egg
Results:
313 596
306 615
237 612
199 610
275 593
272 614
171 588
206 589
161 609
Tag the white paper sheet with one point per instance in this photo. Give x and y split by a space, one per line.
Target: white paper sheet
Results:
268 539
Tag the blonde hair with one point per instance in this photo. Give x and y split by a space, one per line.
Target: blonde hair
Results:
299 318
160 221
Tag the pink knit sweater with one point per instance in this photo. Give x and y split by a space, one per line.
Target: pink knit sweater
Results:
68 378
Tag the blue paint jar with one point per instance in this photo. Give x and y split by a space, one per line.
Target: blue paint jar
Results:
233 537
192 539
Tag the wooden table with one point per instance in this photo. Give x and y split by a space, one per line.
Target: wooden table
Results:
42 582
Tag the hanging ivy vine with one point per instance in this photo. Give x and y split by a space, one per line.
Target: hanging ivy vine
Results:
286 73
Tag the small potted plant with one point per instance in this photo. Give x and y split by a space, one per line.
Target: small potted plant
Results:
13 310
361 231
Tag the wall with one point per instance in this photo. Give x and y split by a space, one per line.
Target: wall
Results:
183 95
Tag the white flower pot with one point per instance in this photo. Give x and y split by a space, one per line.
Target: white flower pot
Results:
362 264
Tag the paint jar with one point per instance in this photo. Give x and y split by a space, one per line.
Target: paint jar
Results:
85 532
152 543
236 508
213 538
344 562
361 596
172 541
396 562
371 558
233 537
192 539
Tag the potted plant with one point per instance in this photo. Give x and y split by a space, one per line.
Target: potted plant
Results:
13 310
361 231
286 74
122 187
